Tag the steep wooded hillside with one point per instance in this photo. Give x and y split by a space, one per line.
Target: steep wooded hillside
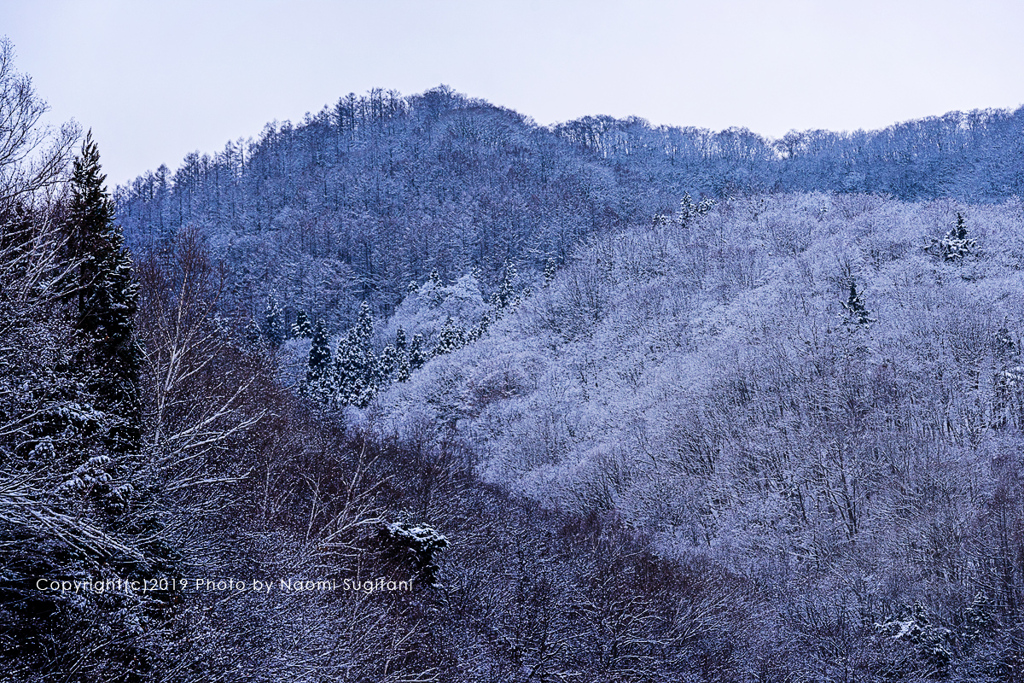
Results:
821 391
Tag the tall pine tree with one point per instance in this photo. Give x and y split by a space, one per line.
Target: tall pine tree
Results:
107 300
319 374
273 322
351 369
319 354
417 355
364 324
355 363
402 368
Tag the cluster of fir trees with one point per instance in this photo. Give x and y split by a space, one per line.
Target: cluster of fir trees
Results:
354 373
274 329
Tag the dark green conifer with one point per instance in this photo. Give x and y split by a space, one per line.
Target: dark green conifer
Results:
355 364
320 376
400 342
364 324
273 322
385 367
450 338
302 328
107 299
505 294
417 357
955 246
319 355
854 305
403 368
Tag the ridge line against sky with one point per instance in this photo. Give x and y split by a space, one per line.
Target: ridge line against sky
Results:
157 81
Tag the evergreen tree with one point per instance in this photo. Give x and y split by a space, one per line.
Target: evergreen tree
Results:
955 246
364 324
979 620
417 357
302 328
355 366
348 370
505 294
385 367
1003 344
252 337
355 362
273 322
371 379
450 338
107 299
403 368
481 328
319 382
913 625
319 355
690 210
433 291
859 315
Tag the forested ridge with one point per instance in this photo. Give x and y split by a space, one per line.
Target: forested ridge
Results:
475 399
353 203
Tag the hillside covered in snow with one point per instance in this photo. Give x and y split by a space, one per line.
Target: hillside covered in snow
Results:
418 391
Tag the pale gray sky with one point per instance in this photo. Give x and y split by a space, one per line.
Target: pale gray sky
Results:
156 80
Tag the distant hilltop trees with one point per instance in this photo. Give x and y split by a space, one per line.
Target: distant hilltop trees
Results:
352 203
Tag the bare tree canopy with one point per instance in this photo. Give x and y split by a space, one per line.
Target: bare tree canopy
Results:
33 156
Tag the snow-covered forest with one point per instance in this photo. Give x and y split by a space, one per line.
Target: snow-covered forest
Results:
419 390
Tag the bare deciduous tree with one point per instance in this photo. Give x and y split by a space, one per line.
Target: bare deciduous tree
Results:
33 157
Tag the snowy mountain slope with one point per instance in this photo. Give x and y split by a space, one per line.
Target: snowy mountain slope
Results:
718 385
